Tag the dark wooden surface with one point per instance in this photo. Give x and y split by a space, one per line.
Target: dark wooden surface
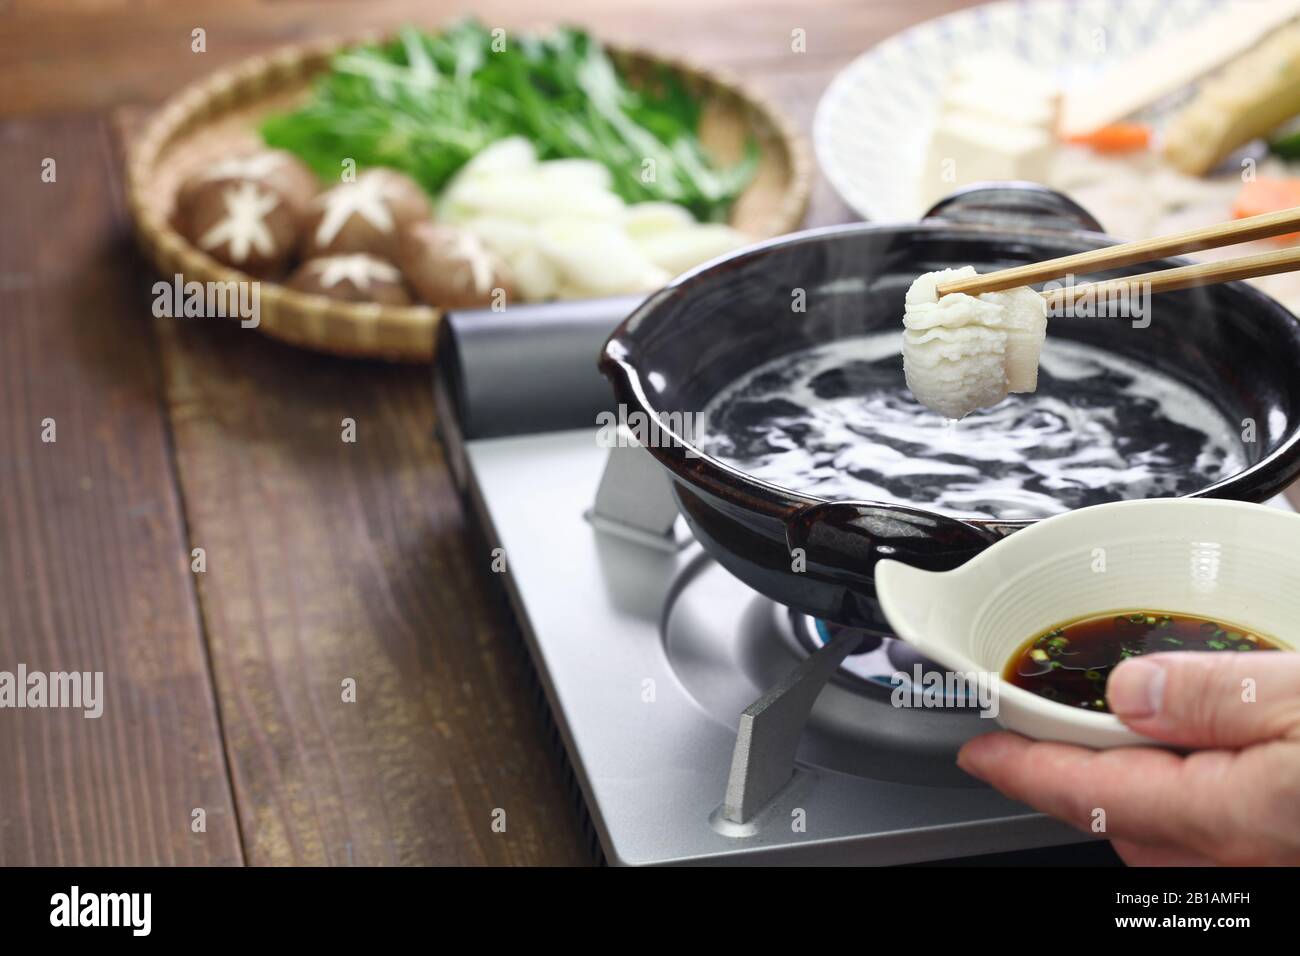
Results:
329 561
325 560
94 568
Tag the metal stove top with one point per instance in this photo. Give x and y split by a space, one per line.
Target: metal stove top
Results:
649 656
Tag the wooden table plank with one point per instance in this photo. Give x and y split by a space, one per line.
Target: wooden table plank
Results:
107 56
94 566
330 561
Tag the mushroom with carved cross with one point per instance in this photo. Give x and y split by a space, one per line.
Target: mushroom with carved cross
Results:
367 215
274 168
452 268
352 278
242 223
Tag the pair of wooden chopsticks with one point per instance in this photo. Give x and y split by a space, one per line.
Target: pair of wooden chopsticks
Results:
1184 277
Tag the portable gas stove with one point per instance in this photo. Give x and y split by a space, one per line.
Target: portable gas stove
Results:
704 723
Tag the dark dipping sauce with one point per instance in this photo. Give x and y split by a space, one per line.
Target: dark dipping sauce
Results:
1071 663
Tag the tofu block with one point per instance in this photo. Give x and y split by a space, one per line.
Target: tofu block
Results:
969 149
997 117
1002 104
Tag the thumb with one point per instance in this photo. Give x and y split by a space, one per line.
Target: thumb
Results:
1209 700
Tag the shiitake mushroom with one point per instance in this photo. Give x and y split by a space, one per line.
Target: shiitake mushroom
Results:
254 211
352 277
365 216
452 268
241 222
276 168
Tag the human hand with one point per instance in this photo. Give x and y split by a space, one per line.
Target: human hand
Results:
1233 801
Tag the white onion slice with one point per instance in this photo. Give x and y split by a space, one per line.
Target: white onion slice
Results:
679 250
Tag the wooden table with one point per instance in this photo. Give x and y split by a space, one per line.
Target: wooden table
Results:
324 560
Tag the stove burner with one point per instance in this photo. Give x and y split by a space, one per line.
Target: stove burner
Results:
728 646
879 660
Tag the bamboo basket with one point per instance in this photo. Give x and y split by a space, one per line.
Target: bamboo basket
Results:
223 110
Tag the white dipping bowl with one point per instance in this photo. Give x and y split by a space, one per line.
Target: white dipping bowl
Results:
1225 560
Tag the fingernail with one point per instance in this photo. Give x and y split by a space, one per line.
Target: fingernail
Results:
964 762
973 757
1136 689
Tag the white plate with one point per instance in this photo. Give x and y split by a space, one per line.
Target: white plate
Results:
874 121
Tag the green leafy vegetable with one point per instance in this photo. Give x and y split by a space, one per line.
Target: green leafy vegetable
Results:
1287 146
426 104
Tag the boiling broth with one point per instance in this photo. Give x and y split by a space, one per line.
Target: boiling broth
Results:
1071 662
838 422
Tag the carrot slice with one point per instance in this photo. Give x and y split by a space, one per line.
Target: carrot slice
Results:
1116 138
1268 195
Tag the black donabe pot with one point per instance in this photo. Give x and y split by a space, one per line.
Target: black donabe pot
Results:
1234 345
